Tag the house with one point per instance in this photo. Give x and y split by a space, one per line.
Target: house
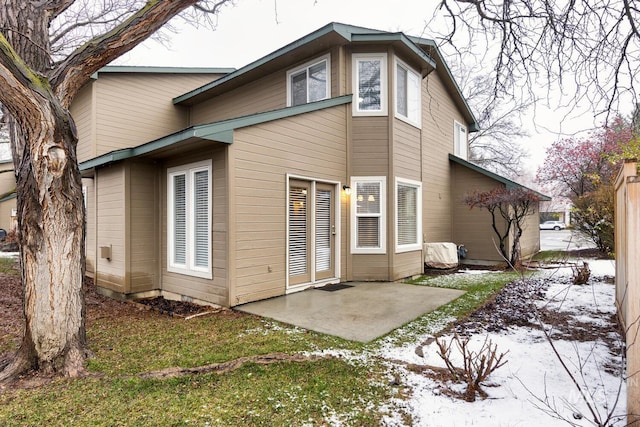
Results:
334 158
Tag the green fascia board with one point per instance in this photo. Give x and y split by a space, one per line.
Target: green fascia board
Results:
162 70
506 181
8 196
387 37
348 32
265 59
473 127
221 131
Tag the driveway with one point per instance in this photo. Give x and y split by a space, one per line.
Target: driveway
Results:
563 240
359 311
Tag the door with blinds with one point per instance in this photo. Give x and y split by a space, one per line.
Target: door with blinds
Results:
311 232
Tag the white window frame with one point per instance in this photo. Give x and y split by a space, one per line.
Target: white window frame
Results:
306 66
412 119
361 57
418 186
382 224
189 267
460 143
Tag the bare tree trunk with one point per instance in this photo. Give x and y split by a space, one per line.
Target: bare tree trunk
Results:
50 211
51 235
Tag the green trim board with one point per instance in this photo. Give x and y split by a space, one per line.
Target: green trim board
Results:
506 181
221 131
162 70
349 33
8 196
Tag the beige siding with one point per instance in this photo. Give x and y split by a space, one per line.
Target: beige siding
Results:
90 215
7 186
83 113
370 146
265 94
407 152
473 226
136 108
110 225
215 290
142 211
530 239
8 222
438 115
310 145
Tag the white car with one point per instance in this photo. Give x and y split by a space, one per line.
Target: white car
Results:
552 225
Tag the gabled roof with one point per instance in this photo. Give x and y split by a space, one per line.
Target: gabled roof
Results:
221 132
506 181
333 34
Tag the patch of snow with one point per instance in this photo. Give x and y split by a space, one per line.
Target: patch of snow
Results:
532 389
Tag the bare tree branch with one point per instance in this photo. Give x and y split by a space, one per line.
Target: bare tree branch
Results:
589 50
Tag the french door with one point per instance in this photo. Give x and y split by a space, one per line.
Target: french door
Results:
311 232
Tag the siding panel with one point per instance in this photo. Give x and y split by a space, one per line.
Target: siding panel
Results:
311 145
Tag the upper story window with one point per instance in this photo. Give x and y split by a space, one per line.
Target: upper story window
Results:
189 219
310 82
460 144
370 84
407 93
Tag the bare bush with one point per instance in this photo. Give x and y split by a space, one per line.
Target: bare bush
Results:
477 365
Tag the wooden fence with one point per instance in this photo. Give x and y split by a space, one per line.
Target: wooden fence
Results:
627 249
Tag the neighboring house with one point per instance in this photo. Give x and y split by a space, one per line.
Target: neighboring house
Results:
331 159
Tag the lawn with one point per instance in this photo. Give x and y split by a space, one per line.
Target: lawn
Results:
313 379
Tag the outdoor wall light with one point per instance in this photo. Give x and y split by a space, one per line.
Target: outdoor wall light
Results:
346 189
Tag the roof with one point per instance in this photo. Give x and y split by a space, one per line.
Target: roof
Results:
221 131
161 70
506 181
318 41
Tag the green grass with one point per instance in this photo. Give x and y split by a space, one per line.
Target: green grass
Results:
478 289
282 394
8 266
314 392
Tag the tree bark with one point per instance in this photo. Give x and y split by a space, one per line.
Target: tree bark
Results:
36 97
49 205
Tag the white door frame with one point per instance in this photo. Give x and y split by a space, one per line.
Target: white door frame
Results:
338 236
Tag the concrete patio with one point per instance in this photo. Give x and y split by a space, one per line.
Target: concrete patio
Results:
361 312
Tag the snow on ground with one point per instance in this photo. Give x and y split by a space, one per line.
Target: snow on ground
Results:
532 389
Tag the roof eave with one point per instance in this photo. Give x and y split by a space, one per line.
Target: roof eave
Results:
506 181
221 132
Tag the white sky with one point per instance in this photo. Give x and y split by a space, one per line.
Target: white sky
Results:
255 28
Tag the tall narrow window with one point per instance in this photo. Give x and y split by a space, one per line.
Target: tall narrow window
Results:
309 82
189 219
408 215
368 215
460 143
370 84
407 94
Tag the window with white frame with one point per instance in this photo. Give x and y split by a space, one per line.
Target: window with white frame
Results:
408 215
368 219
407 94
189 219
309 83
370 84
460 144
